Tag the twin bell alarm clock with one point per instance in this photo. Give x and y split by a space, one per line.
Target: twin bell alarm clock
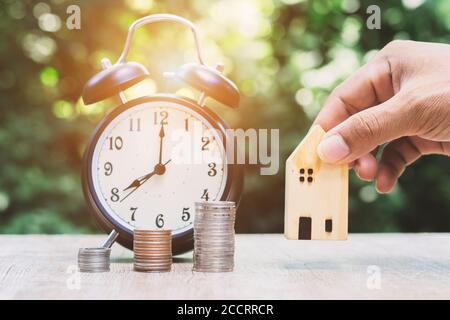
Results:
129 176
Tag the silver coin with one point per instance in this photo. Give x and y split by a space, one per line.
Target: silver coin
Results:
81 256
213 215
225 237
212 230
218 253
214 263
94 259
216 223
213 260
92 254
215 246
94 270
95 249
214 236
215 243
90 269
92 266
211 222
210 270
95 254
93 263
204 235
200 224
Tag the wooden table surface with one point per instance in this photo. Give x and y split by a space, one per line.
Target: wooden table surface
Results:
367 266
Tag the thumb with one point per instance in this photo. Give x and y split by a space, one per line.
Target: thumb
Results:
364 131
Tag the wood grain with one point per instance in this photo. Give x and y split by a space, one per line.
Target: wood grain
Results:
267 267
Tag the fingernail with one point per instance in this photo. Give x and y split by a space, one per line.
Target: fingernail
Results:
333 149
378 190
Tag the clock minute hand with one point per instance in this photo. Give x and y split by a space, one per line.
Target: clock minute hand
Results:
161 139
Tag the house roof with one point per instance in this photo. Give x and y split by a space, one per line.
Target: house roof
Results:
305 155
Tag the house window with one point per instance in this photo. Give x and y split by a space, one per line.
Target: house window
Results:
328 225
309 178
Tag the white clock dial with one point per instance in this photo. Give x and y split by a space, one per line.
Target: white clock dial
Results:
140 186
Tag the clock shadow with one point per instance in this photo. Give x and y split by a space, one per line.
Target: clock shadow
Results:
122 260
182 260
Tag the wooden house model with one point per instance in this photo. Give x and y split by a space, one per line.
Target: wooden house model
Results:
316 201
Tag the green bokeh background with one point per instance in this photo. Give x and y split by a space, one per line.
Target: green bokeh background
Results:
285 56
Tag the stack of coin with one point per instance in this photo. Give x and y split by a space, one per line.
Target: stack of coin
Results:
94 259
214 236
152 250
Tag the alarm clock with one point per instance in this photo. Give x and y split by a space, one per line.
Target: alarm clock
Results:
130 175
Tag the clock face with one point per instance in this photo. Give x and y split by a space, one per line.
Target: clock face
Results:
153 161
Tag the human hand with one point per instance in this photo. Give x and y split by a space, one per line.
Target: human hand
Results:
401 96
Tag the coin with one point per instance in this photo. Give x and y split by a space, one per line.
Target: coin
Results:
152 250
94 259
214 236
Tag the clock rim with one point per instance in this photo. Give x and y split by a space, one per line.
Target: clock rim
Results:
184 241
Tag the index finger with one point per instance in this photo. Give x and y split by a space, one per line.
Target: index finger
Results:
368 86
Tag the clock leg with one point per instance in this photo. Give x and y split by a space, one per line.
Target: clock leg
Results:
111 239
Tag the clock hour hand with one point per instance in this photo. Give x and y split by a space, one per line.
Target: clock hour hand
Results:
137 182
159 170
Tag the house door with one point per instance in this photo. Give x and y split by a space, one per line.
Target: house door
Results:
304 228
